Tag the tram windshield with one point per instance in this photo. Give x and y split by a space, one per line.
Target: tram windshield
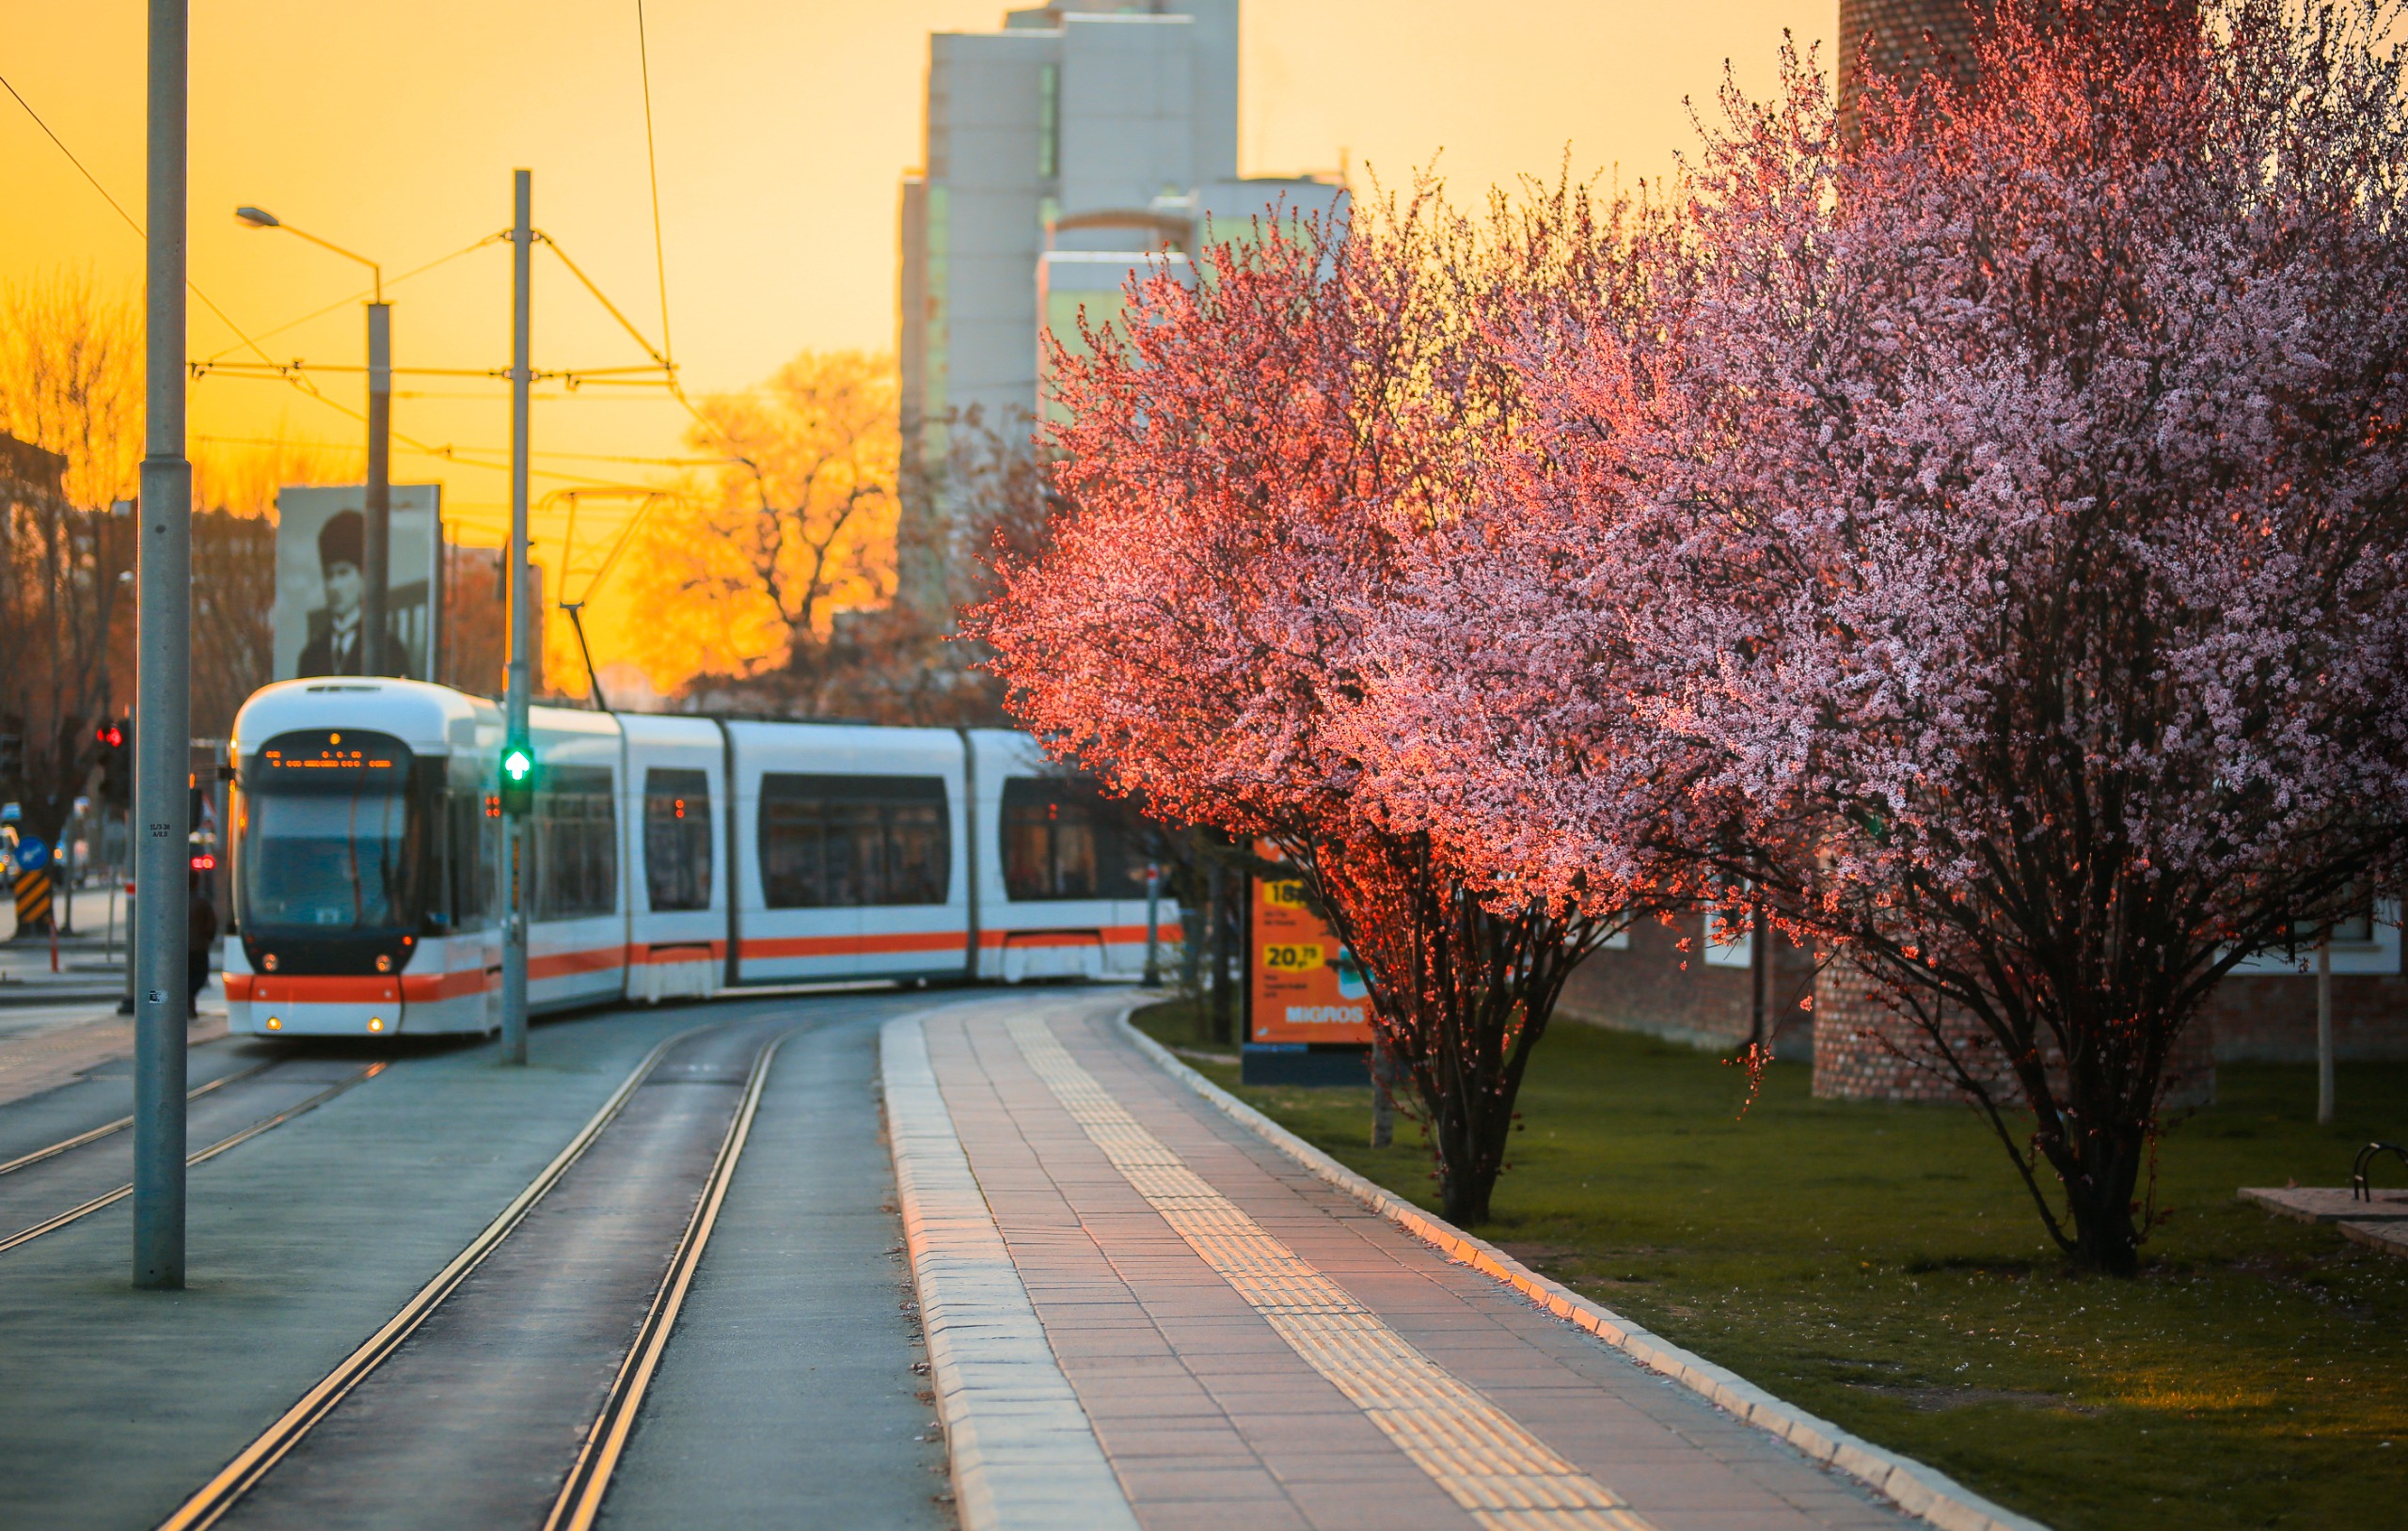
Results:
329 835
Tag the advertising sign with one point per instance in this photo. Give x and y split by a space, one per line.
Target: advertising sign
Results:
1304 985
320 539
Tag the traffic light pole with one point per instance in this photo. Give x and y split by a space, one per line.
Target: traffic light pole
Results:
161 857
376 572
522 629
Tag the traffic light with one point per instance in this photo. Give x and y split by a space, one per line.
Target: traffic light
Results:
517 778
116 741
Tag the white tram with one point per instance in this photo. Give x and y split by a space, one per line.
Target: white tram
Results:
672 857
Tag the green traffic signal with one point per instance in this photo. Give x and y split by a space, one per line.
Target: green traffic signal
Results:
517 778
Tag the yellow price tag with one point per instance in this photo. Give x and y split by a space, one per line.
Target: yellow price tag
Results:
1285 896
1301 956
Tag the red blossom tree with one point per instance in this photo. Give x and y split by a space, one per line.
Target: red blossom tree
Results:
1993 546
1252 458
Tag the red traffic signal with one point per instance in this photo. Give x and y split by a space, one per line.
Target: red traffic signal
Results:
110 735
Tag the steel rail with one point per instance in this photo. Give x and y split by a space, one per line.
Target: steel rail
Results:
580 1497
74 1214
240 1475
123 1121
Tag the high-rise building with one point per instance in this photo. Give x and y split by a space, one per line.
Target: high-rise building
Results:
1086 141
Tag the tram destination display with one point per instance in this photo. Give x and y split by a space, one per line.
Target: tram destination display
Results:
321 540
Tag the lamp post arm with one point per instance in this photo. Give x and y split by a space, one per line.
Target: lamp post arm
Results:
375 269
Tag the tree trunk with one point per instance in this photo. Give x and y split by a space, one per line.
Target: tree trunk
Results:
1460 996
2098 1188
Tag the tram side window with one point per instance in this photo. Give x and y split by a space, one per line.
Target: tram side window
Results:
1064 839
677 839
465 861
833 842
576 846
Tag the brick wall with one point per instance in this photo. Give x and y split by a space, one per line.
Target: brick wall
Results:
1656 987
2272 1016
1865 1050
1897 32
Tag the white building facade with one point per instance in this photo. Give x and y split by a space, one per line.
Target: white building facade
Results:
1082 143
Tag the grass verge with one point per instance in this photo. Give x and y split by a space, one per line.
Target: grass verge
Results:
1882 1267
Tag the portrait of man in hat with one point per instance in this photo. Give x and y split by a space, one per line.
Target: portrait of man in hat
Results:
335 647
322 582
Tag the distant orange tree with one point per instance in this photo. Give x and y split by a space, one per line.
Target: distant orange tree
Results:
744 578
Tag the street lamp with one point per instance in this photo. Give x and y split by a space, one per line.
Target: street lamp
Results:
375 574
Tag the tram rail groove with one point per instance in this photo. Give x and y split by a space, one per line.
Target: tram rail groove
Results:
76 1214
589 1480
108 1129
220 1494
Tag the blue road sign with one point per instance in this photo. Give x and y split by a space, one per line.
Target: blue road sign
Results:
32 855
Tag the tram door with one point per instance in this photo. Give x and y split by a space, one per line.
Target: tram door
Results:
577 944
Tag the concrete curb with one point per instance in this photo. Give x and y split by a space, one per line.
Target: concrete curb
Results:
1024 1455
1921 1492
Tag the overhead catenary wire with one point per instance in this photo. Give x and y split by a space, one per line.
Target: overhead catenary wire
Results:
652 165
296 375
347 300
118 208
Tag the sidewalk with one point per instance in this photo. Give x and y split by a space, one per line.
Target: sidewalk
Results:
42 1048
1248 1344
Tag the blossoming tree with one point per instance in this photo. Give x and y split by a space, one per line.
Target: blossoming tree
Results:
1251 456
1993 548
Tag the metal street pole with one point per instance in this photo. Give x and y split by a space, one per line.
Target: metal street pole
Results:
376 574
375 568
161 859
2325 1030
522 629
1154 978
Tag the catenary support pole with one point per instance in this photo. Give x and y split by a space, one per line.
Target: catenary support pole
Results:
522 627
162 801
376 574
1215 939
2324 1031
1759 978
1153 977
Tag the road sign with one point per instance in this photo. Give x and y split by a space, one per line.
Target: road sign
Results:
33 900
32 854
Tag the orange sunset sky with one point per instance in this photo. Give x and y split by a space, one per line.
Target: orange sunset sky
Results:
782 128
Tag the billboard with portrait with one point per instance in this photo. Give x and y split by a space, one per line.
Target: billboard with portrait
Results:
1304 985
320 557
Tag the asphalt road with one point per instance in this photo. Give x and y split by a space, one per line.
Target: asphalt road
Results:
786 1394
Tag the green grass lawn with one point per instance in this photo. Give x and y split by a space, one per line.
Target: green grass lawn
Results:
1882 1267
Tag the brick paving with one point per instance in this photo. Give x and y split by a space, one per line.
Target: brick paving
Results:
1206 1411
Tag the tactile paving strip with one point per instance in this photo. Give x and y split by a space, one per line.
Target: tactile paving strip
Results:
1504 1476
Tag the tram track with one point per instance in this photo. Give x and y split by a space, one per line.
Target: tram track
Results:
112 1128
548 1327
57 1155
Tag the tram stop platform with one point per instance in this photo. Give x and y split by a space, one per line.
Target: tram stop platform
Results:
1146 1306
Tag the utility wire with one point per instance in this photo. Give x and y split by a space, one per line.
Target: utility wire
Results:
558 456
651 163
118 208
347 302
301 380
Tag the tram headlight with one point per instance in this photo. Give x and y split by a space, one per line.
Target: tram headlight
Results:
375 1023
274 1024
